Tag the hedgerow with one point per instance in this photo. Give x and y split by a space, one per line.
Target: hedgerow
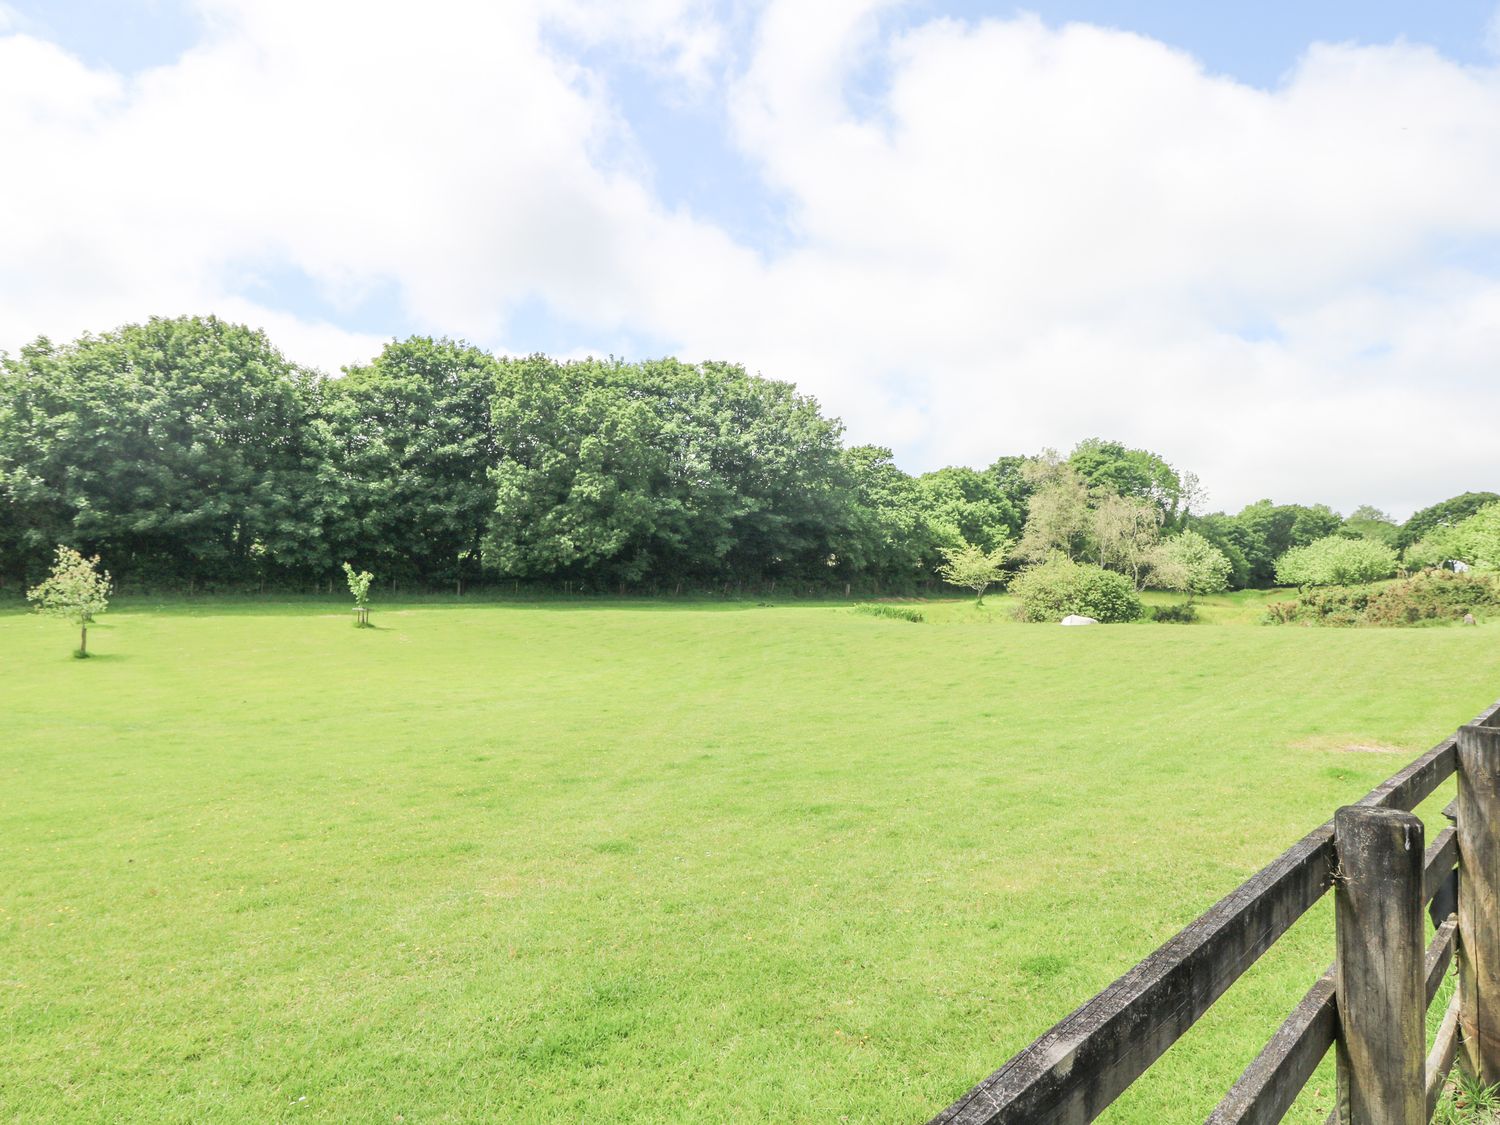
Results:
1428 596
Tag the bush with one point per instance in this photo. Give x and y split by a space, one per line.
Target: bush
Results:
894 612
1335 606
1053 589
1184 614
1430 596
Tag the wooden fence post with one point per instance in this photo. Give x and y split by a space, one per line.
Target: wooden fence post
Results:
1380 982
1479 899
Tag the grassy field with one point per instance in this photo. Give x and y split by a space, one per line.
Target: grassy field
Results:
649 862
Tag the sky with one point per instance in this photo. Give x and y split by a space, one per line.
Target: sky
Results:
1262 239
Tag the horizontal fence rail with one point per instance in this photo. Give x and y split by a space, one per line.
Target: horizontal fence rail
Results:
1074 1071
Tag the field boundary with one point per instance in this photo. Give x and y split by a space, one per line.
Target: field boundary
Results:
1371 1004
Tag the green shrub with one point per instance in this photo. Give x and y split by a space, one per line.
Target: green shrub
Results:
1282 613
1333 606
1429 596
894 612
1183 614
1051 590
1432 595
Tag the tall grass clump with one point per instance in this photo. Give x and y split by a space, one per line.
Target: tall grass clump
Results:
894 612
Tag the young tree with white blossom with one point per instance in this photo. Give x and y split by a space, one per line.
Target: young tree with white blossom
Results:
76 589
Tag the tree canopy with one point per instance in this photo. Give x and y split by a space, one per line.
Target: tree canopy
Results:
1445 513
183 450
1135 473
1335 560
415 440
1190 564
190 453
1474 541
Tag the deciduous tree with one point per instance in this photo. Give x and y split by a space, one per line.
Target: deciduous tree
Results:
187 450
1058 516
1126 532
415 445
76 590
973 568
1336 561
1191 565
1445 513
1474 541
359 587
1110 467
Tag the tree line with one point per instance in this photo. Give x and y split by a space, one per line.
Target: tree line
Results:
189 453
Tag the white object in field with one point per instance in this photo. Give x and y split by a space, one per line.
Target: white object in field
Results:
1458 566
1075 619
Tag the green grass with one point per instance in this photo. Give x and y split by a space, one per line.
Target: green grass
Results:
1467 1101
649 862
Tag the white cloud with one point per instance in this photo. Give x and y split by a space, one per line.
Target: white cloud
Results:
1026 236
682 39
1053 233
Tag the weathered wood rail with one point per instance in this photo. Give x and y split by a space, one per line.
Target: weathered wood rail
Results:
1371 1005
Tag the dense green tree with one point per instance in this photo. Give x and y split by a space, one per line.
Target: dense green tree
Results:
887 533
415 444
15 559
1369 522
1445 513
759 486
1010 476
186 449
1111 467
1311 523
1273 529
1474 541
578 471
964 505
613 473
1233 540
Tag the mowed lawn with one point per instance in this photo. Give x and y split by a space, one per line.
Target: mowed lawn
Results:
642 862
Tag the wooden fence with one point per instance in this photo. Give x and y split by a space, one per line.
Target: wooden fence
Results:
1371 1004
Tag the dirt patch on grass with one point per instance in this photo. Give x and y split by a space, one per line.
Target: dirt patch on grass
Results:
1349 744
